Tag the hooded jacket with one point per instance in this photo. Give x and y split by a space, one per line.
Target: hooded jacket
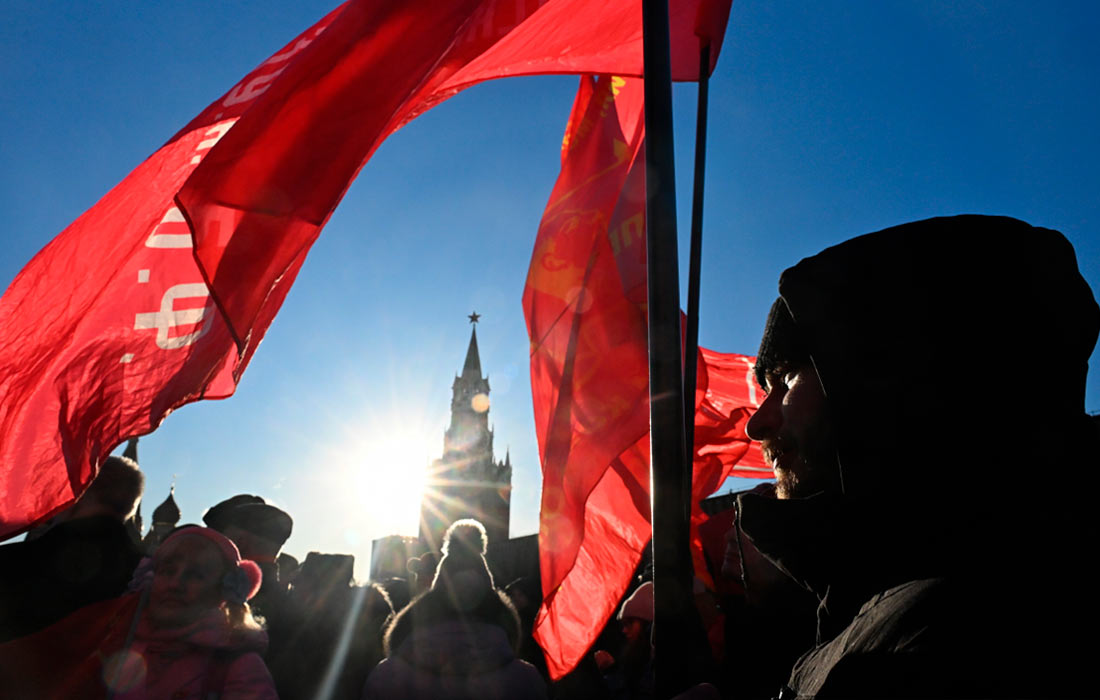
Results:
435 651
952 353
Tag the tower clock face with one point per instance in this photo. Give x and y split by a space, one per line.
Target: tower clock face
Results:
480 403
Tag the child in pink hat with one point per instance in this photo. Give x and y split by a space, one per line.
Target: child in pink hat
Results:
185 631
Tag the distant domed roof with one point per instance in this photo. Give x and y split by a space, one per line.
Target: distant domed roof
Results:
167 512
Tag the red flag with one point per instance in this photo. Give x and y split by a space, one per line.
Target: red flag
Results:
71 657
589 371
113 325
110 327
260 200
585 307
725 399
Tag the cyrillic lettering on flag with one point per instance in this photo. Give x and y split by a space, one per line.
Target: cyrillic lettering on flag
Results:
106 330
111 326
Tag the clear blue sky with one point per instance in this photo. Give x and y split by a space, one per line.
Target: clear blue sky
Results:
828 119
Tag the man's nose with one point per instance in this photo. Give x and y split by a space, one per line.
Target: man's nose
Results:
768 418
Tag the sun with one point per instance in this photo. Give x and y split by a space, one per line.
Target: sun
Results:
383 471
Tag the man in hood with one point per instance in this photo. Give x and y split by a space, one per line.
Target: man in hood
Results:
921 381
85 555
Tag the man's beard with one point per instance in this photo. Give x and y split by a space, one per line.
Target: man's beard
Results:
787 484
810 466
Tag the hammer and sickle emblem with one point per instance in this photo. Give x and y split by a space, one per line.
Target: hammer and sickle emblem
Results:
168 318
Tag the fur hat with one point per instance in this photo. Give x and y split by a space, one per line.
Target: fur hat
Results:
639 604
463 573
252 514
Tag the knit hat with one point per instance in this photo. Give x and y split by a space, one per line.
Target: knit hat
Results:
463 573
252 514
422 566
639 604
781 344
243 579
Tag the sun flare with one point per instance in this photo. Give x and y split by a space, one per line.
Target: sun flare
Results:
384 472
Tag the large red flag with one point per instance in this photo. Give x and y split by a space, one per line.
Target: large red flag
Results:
585 307
113 324
589 371
110 326
260 199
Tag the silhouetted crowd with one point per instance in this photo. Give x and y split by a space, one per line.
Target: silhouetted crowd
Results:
88 610
920 381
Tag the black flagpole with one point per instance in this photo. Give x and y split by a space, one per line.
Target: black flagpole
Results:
691 335
671 578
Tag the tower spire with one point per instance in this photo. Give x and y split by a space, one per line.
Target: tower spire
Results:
472 368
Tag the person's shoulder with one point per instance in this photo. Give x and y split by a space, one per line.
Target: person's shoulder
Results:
904 615
525 679
894 640
88 527
391 678
13 557
908 596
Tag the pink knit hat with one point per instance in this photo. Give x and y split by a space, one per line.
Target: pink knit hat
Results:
244 577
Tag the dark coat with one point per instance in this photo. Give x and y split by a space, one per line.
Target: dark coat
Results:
75 563
953 354
327 643
439 653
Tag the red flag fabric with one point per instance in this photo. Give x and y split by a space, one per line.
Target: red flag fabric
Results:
727 396
260 199
71 658
725 399
113 325
589 371
110 326
585 308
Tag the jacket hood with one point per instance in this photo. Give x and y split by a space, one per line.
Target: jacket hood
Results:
953 354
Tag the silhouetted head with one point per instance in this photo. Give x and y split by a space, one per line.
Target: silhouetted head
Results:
463 575
950 350
114 492
257 527
793 423
422 571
